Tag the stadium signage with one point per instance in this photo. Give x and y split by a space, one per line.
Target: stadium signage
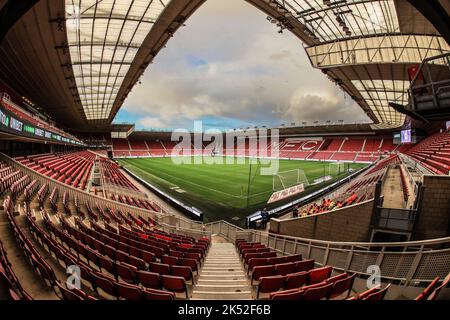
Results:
323 179
39 132
4 119
286 193
29 129
9 123
16 124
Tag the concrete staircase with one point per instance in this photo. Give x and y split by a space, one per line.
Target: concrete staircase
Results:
222 276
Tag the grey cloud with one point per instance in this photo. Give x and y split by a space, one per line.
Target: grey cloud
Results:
251 73
312 107
281 55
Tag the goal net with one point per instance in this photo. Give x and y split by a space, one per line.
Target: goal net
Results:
287 179
336 168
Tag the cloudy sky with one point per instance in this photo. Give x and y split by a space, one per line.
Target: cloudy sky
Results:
230 68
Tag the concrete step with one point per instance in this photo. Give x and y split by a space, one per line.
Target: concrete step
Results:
222 272
222 276
221 288
222 268
220 282
204 295
223 256
232 264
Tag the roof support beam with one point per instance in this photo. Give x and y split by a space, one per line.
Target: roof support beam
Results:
95 62
11 12
436 14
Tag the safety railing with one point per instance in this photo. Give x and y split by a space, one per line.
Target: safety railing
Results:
82 196
196 234
407 263
409 162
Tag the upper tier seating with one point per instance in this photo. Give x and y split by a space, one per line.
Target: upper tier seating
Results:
121 144
156 149
372 145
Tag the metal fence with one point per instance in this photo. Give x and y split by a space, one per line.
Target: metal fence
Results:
82 196
408 263
414 164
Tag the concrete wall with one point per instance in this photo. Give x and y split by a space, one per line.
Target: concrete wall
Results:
348 224
434 220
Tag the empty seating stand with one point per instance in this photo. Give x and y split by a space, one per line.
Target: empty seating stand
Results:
73 169
433 153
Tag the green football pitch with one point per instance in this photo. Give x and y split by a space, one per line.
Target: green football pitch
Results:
229 191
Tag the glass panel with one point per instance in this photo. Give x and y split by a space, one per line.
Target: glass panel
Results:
340 19
104 37
377 95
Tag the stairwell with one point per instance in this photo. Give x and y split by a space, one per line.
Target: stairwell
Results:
222 276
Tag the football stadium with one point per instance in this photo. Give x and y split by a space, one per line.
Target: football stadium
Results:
103 199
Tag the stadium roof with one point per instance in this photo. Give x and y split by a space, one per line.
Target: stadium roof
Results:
83 58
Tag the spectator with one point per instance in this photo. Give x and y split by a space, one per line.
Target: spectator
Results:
295 212
264 218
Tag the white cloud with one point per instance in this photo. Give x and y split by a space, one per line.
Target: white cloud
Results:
230 63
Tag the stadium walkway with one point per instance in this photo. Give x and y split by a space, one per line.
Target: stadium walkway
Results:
392 192
222 275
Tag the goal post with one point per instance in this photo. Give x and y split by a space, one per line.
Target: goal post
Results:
336 168
287 179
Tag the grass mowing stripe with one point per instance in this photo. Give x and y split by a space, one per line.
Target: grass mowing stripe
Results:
184 180
220 190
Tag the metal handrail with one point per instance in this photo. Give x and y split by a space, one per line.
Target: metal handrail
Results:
407 262
425 61
410 263
80 194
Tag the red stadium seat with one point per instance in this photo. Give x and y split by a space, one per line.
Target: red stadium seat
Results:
175 284
270 284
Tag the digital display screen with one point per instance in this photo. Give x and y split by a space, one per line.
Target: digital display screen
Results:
39 132
406 136
29 129
16 124
447 125
4 119
8 120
